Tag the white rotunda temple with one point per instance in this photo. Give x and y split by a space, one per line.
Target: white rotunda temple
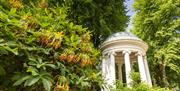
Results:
120 51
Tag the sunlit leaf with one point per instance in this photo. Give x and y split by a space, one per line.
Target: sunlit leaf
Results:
47 84
21 80
31 80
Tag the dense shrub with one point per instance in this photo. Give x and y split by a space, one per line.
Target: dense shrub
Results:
40 49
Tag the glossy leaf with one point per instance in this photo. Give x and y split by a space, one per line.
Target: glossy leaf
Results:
21 80
31 80
47 84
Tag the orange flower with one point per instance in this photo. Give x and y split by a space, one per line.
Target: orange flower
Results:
63 57
76 59
51 39
56 45
43 4
85 62
59 35
16 3
86 37
70 58
63 87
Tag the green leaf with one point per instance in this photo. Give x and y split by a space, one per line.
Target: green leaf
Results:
47 84
48 78
51 65
32 63
12 11
31 80
1 40
85 84
12 44
15 50
3 51
21 80
2 71
45 24
62 79
33 70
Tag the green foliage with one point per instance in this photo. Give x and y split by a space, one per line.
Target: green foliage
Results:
137 85
102 17
41 49
158 23
135 76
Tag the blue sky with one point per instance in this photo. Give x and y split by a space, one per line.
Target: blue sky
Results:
129 3
130 12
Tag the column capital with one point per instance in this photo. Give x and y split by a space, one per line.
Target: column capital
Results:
140 54
111 53
126 51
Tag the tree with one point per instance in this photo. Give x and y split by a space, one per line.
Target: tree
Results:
101 17
40 48
158 23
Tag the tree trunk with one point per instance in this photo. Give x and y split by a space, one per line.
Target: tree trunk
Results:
163 77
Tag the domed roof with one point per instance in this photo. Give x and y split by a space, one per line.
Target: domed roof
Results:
120 41
122 36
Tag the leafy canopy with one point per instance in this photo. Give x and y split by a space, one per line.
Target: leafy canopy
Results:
158 23
101 17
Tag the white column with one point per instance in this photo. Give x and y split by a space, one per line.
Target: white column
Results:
105 71
103 67
141 67
112 77
127 67
147 71
120 72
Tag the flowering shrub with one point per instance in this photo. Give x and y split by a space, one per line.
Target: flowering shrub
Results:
41 49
